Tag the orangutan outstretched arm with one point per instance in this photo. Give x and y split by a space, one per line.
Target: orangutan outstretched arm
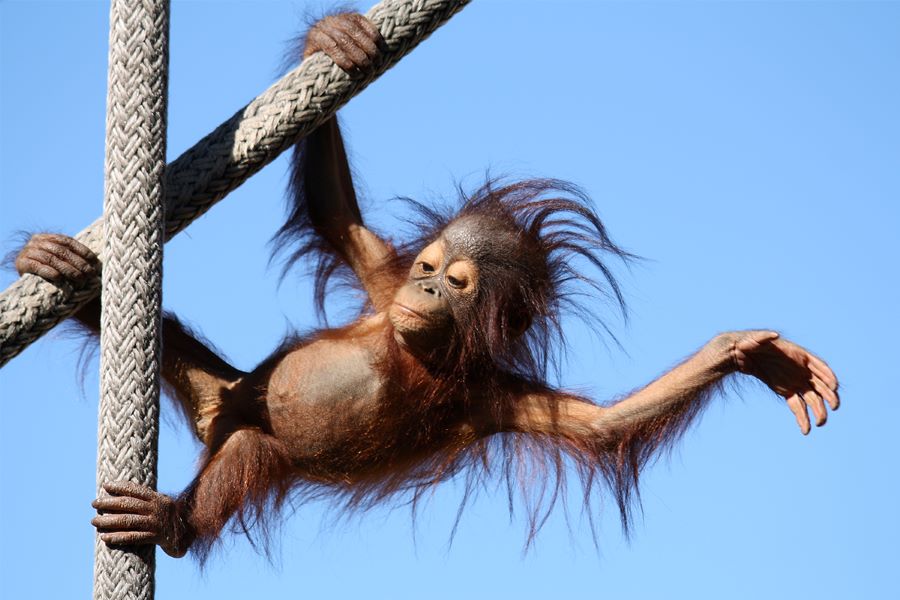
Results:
656 413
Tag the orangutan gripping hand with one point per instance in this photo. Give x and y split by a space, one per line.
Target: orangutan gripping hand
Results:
350 39
58 258
134 514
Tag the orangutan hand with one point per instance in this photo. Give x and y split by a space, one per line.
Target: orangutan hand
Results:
792 372
349 39
58 259
133 514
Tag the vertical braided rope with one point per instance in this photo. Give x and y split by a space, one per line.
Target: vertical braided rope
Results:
225 158
132 275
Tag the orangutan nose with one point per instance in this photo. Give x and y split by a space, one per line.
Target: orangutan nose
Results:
429 287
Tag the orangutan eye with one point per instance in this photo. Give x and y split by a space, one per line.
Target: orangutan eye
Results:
426 267
456 283
461 275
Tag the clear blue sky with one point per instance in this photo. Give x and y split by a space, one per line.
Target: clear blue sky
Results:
749 150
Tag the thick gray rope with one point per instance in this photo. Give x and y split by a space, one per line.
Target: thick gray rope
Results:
225 158
131 320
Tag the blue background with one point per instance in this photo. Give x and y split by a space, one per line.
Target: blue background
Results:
749 150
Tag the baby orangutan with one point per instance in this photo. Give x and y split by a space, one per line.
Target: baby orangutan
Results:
444 370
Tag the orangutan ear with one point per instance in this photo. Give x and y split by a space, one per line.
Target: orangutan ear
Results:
518 323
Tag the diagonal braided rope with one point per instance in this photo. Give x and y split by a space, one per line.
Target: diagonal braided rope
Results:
128 427
225 158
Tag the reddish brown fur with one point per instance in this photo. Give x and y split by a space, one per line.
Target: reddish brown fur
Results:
492 364
247 478
439 418
475 400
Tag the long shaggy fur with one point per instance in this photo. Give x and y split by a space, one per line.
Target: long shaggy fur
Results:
448 417
545 238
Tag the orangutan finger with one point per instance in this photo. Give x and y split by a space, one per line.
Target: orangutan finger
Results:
125 538
361 41
321 41
818 366
815 402
27 264
124 522
834 400
72 244
122 504
39 252
129 488
371 31
798 407
348 44
336 52
79 266
762 337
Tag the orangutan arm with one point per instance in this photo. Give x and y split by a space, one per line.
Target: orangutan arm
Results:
659 411
334 210
321 177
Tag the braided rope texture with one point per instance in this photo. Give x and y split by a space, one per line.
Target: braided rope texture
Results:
225 158
131 320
